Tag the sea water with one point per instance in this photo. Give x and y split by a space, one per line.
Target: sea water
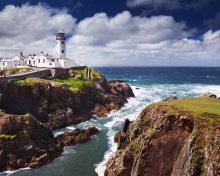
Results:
149 84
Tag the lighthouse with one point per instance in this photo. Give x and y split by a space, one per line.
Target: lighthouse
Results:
61 44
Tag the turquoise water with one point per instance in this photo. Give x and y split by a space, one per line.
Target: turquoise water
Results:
150 84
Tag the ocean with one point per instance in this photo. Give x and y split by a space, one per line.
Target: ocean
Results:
149 84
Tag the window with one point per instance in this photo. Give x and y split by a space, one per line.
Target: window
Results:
50 63
33 62
43 60
3 63
62 51
52 60
62 42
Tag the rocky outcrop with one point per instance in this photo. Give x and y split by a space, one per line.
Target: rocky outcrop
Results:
25 142
169 98
120 88
168 140
209 94
57 106
118 92
76 136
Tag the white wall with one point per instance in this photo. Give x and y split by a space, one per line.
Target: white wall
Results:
5 64
61 48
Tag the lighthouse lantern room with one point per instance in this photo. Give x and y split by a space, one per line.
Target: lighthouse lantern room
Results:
61 44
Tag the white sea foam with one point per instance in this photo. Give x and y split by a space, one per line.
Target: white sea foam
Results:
8 173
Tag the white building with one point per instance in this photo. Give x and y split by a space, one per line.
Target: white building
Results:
44 61
6 63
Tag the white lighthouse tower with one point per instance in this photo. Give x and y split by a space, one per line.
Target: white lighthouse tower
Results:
61 44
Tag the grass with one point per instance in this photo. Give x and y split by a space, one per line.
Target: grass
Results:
202 109
95 74
74 84
196 105
78 73
82 74
8 136
31 82
11 71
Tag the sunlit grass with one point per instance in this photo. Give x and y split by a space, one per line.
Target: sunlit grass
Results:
202 109
73 83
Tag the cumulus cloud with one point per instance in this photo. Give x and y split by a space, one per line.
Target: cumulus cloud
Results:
125 31
102 40
132 40
30 27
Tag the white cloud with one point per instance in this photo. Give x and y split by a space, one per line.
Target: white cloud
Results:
123 30
102 40
30 28
128 40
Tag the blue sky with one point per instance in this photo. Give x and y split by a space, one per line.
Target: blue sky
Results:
116 32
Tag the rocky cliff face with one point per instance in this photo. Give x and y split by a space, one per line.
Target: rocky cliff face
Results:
25 142
57 106
169 139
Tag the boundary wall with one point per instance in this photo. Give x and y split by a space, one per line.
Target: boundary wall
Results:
52 73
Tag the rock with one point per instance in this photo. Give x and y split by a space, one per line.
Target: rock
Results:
25 142
125 126
117 137
165 140
171 97
21 139
119 87
209 94
58 106
76 136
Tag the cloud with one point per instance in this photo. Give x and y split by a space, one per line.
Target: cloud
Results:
123 30
155 4
133 40
102 40
213 22
30 28
195 4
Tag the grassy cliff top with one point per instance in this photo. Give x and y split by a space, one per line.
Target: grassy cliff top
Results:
31 82
202 109
75 79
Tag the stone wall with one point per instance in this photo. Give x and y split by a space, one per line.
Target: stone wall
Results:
56 72
34 74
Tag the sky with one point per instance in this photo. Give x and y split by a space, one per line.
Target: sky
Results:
115 32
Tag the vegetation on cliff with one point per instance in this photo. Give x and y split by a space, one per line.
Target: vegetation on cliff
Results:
205 111
69 99
32 82
12 71
178 137
77 79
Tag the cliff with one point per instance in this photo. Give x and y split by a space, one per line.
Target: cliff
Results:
67 100
25 142
33 107
178 137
